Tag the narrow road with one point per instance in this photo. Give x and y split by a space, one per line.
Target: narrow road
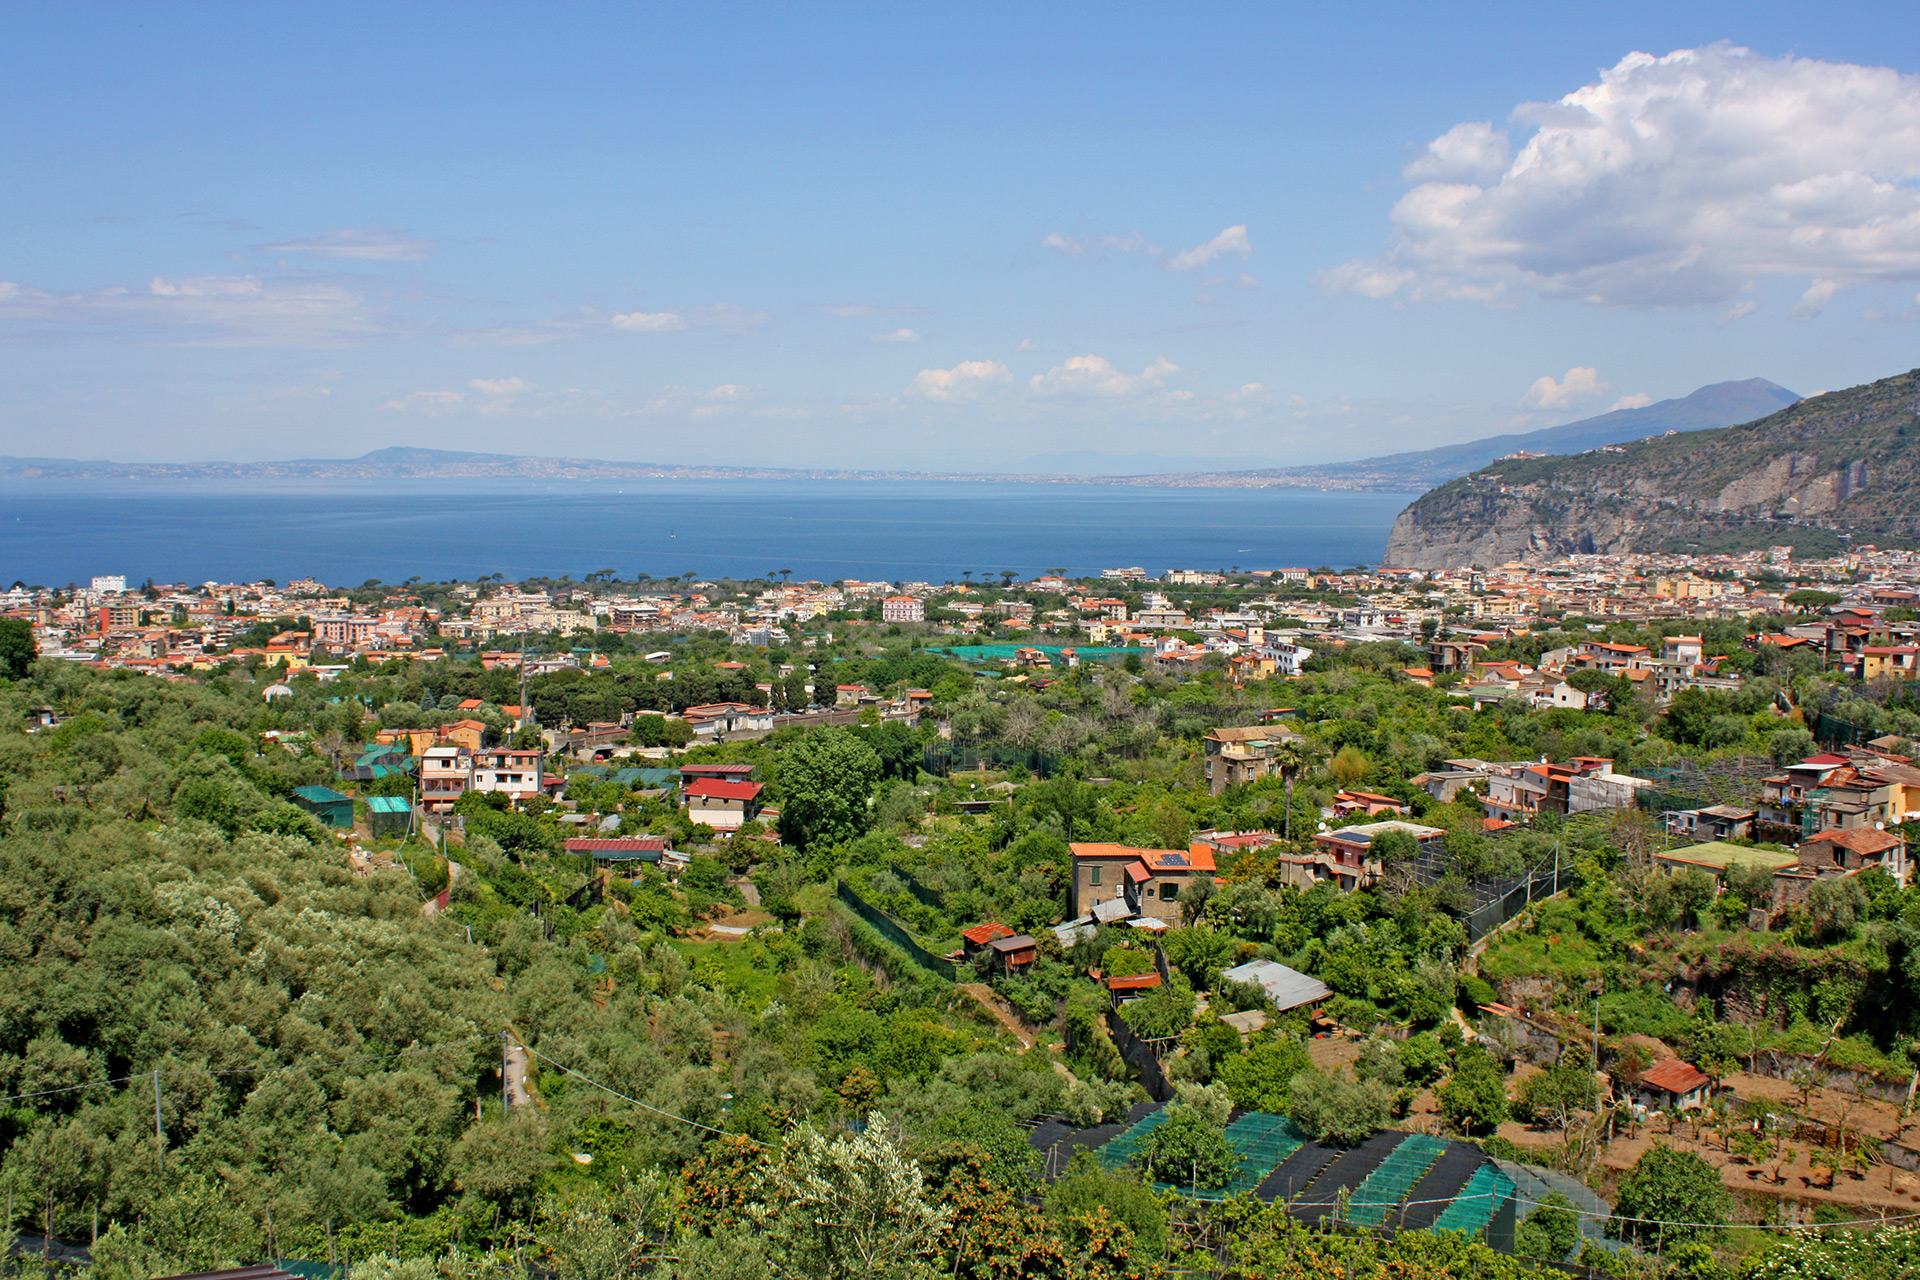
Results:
517 1063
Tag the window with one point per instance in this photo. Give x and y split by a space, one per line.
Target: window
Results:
1169 891
1093 876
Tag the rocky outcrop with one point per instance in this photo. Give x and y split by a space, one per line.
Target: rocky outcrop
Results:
1845 461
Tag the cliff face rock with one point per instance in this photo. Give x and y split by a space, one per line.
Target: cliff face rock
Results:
1846 461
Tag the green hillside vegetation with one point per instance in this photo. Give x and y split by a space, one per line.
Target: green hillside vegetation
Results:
327 1059
1846 461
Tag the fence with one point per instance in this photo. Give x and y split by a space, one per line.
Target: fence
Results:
888 928
944 759
1835 732
918 890
1500 900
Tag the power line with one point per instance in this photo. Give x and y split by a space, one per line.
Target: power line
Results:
616 1093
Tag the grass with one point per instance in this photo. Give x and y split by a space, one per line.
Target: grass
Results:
732 963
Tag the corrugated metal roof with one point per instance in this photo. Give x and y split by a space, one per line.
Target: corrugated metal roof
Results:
1288 988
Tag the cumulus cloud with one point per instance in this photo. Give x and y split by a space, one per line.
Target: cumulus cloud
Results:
500 386
1095 376
1232 240
1674 181
1739 311
214 311
1474 152
726 392
720 316
1580 384
1027 344
968 380
1638 400
898 335
365 244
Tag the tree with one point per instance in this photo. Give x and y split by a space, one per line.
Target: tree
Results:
658 731
17 648
1200 952
1664 1192
600 1235
826 779
848 1206
1338 1110
1551 1231
1348 766
1190 1149
1808 600
496 1161
1261 1078
1604 692
1554 1095
1475 1096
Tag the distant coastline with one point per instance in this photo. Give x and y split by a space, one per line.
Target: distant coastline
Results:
424 464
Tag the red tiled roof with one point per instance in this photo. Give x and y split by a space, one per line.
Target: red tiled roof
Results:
625 844
716 789
715 770
1858 839
1675 1076
981 934
1139 982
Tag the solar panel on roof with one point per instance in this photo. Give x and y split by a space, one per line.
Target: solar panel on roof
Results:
1174 859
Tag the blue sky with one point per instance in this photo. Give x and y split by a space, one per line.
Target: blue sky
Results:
935 236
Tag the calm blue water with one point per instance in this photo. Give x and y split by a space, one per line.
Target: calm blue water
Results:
893 530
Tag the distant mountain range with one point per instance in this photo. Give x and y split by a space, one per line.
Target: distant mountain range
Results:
1843 464
1718 405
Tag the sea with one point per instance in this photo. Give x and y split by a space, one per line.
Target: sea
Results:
891 530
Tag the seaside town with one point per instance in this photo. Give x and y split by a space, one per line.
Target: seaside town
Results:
1564 907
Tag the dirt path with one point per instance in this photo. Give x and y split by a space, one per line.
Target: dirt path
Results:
998 1008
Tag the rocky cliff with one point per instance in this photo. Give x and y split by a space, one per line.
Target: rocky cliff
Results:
1844 462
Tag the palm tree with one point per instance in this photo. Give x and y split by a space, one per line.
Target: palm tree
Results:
1290 758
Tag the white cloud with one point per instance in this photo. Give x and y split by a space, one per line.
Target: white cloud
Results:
1027 344
720 316
1080 246
727 392
1739 311
1247 280
427 401
500 386
1673 182
366 244
898 335
1094 376
1815 299
214 311
1638 400
968 380
861 310
1581 383
1475 152
1232 240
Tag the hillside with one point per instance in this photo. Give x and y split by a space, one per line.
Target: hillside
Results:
1720 404
1845 462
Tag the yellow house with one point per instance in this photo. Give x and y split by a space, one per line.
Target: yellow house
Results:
464 733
